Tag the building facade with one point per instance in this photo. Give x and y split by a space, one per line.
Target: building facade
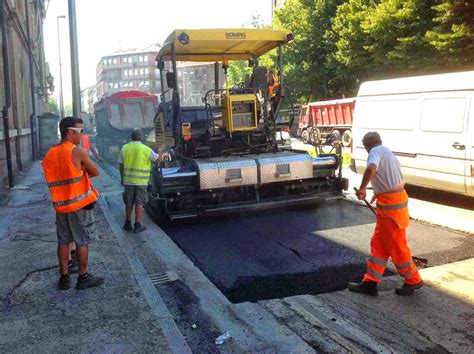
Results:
29 83
88 97
128 70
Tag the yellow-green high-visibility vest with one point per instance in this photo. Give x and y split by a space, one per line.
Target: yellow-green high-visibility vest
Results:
136 164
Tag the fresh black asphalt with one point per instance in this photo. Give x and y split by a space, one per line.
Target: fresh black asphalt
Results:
302 251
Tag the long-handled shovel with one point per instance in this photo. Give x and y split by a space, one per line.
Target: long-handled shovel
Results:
420 262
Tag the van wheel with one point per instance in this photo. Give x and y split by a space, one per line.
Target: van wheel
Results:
305 136
336 133
346 138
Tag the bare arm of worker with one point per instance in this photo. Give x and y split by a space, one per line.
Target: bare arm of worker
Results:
82 161
368 175
121 173
96 154
153 156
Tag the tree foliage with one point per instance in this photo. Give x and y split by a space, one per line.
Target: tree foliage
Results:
53 105
340 43
453 33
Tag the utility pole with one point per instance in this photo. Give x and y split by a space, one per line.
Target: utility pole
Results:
76 87
61 100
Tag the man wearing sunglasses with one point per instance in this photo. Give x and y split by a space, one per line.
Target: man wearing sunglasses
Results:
68 169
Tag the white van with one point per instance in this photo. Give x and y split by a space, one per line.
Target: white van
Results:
427 121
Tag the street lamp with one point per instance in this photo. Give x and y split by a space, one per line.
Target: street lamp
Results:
61 103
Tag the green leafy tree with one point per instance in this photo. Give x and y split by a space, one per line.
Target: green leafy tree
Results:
453 33
310 72
380 39
68 110
396 29
53 105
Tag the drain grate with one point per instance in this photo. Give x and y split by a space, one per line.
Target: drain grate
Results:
162 278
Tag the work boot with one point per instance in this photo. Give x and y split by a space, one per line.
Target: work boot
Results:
408 289
138 228
364 287
127 226
64 282
88 281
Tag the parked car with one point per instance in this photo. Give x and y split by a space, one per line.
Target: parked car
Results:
428 122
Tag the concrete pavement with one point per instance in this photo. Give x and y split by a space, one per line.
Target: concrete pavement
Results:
127 315
35 316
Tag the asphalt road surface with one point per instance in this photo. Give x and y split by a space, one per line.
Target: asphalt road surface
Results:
250 257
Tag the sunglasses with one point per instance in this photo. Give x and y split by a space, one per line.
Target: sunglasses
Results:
79 130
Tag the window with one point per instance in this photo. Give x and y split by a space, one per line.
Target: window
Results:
397 114
125 72
150 111
135 72
115 111
443 114
142 71
115 60
142 83
134 112
140 58
147 71
147 83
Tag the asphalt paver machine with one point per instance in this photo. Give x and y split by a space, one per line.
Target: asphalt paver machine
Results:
225 157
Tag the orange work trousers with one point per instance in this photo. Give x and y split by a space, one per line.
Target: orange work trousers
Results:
389 239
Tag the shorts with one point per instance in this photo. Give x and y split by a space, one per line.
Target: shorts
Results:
78 227
135 195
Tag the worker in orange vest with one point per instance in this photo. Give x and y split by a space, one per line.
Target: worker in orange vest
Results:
86 145
67 170
272 89
272 83
389 239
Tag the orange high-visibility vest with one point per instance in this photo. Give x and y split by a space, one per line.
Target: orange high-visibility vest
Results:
272 85
85 142
70 188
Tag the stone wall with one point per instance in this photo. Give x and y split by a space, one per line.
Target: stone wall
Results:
21 108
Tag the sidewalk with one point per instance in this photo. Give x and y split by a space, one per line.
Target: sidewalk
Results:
35 316
127 314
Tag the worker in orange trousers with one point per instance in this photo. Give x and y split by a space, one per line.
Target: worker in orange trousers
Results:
389 239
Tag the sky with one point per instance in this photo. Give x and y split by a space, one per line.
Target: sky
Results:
105 26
